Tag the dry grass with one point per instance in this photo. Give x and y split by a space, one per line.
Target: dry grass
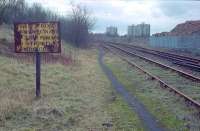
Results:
13 99
6 33
74 97
169 109
191 88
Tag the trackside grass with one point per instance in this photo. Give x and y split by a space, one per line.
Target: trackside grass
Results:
76 97
169 110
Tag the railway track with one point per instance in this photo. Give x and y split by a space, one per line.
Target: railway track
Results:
189 62
163 84
180 72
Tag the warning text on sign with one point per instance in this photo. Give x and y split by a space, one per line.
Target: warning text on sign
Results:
37 36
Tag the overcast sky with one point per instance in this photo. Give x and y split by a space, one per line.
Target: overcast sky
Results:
162 15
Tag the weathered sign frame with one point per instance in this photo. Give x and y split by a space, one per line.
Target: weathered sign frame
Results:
36 51
36 22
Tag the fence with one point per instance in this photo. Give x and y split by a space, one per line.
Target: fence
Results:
176 42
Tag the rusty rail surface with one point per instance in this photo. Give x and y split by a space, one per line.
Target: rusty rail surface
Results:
180 72
161 53
163 84
185 61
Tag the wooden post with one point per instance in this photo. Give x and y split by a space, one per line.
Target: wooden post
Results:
38 91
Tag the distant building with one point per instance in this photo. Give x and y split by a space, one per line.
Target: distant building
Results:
111 31
140 30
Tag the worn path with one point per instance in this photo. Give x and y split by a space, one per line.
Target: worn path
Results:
148 120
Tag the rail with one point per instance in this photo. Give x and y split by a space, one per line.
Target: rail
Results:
162 83
185 74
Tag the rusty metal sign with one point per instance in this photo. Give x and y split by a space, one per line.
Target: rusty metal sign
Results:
41 36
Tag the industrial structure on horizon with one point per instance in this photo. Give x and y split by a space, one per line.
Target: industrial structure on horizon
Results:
139 30
185 36
111 31
183 29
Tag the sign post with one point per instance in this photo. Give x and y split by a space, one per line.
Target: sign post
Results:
37 38
37 92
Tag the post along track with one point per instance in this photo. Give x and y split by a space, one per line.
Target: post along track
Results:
163 84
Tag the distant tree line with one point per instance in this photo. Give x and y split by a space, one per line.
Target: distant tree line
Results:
75 27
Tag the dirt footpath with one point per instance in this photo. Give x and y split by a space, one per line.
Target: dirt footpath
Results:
149 121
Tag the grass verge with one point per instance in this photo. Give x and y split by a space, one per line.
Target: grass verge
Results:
167 108
191 88
75 97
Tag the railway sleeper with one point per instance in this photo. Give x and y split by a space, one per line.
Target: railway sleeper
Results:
163 84
162 53
189 76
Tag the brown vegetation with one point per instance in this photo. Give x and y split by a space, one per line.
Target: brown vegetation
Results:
187 28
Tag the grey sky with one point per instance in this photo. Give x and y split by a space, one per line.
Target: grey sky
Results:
162 15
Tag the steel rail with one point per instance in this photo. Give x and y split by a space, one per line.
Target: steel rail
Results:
162 83
176 60
162 53
180 72
166 54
